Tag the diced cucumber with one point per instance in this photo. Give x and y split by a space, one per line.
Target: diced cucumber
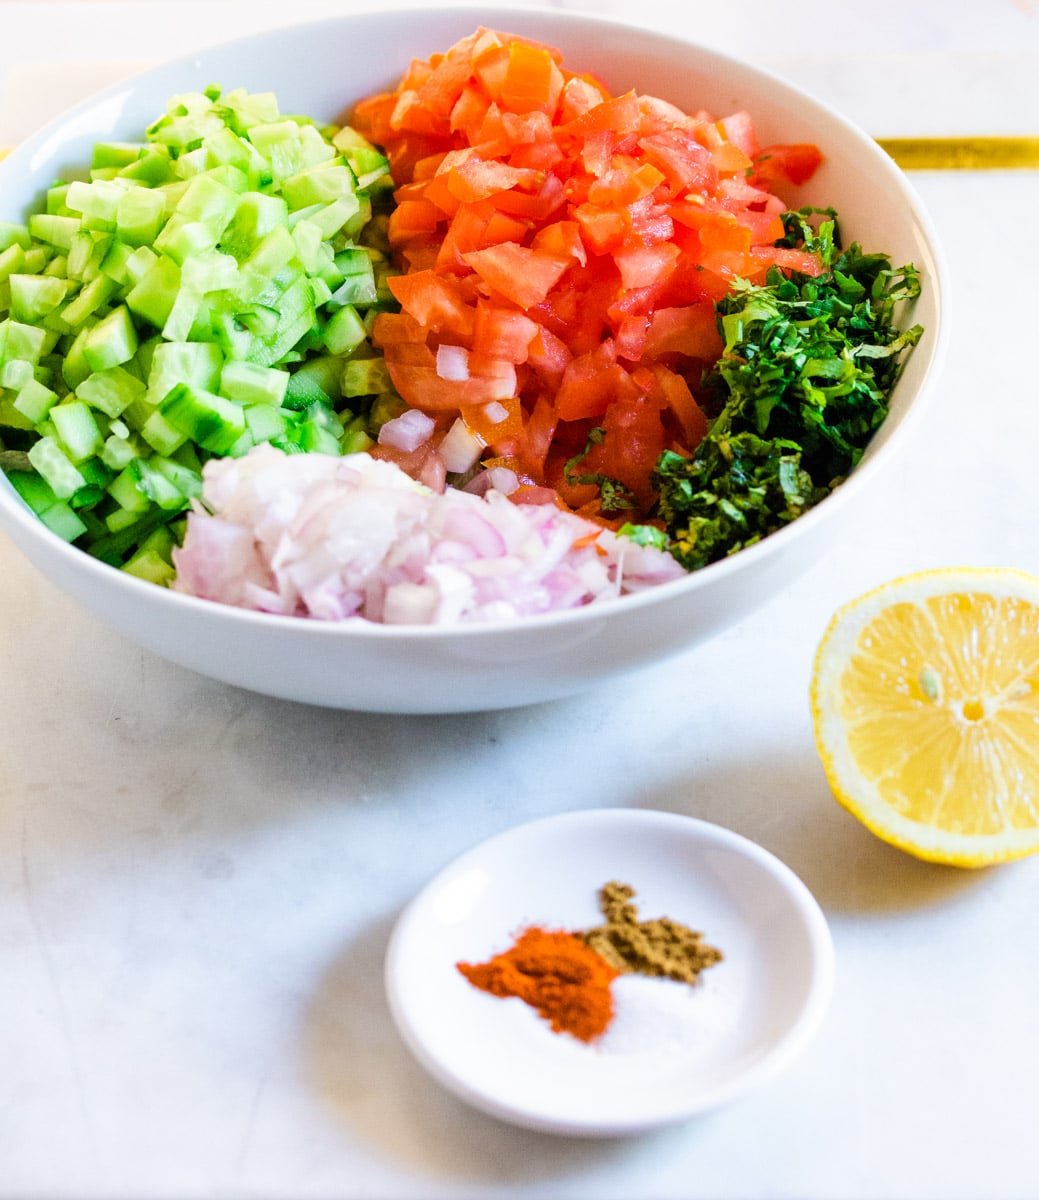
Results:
34 296
118 452
34 401
150 566
111 341
16 373
160 488
125 490
12 234
344 331
115 154
196 293
96 293
266 423
140 214
365 377
208 419
77 430
153 296
249 383
195 363
27 343
12 259
54 230
111 391
55 467
97 202
163 437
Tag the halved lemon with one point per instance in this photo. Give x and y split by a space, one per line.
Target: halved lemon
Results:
925 703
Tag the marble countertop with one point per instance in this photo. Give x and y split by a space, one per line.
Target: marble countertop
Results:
197 884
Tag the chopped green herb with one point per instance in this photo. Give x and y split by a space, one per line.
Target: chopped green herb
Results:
801 387
614 496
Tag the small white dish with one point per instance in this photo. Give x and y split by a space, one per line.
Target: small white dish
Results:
672 1050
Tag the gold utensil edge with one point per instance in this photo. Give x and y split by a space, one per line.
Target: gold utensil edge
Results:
1017 153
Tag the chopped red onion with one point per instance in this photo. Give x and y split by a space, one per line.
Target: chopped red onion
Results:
355 537
460 448
453 363
495 412
408 431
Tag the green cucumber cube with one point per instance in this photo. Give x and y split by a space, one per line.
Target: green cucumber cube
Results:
111 341
78 432
111 391
34 296
54 230
153 296
344 330
140 214
249 383
56 468
208 419
34 401
90 298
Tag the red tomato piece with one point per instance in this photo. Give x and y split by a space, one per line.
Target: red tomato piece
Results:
502 333
794 164
518 274
433 302
532 80
690 330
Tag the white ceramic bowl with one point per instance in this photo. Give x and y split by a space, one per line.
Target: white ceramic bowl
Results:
671 1051
321 69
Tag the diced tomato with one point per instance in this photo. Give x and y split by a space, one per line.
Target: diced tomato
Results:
620 115
549 356
475 178
641 266
499 424
779 165
678 397
425 389
538 431
433 302
690 330
686 164
739 130
468 112
633 441
502 333
518 274
532 80
561 239
410 218
575 244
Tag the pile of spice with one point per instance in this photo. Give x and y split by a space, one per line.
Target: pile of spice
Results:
660 947
566 976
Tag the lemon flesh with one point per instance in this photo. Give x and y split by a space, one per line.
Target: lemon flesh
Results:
925 702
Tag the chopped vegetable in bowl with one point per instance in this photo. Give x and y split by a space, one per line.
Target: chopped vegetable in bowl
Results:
201 291
563 307
320 536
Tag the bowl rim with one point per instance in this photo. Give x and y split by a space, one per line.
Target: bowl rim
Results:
15 514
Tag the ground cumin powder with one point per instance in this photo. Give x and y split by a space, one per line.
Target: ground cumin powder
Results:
660 947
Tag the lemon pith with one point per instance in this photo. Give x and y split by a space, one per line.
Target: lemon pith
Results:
925 703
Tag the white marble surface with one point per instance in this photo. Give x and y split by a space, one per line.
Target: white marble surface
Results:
197 884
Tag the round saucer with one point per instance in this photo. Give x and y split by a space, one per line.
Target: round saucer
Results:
672 1050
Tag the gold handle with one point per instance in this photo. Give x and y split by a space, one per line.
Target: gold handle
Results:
964 153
